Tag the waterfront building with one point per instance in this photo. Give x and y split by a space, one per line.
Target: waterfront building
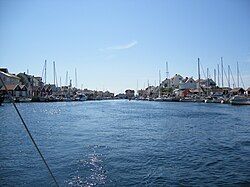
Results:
248 92
176 80
31 82
166 83
188 83
206 83
237 91
8 78
14 90
130 93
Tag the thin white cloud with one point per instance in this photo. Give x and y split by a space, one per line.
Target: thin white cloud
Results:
121 47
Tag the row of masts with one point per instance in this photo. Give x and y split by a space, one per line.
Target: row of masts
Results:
68 80
220 73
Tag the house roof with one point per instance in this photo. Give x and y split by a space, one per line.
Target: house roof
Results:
237 89
9 87
248 89
23 87
9 75
190 79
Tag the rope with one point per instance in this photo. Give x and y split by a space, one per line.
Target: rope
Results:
26 128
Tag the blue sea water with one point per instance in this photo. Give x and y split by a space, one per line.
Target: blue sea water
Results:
126 143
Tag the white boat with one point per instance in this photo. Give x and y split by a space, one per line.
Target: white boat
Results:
81 97
24 99
187 99
159 99
240 100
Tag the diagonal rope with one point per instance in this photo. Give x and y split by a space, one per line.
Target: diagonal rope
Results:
27 129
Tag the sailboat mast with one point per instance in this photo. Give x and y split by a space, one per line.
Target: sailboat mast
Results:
238 75
221 72
215 75
54 72
228 72
207 77
66 80
218 68
167 72
159 83
45 71
136 85
199 76
75 78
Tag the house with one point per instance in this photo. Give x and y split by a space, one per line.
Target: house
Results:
142 93
206 83
237 91
108 95
8 78
14 90
31 82
188 83
248 92
24 91
166 83
46 90
226 90
175 80
36 91
130 93
185 93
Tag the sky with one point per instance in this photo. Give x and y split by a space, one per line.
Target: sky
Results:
119 44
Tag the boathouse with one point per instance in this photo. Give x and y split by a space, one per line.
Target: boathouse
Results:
237 91
14 90
248 92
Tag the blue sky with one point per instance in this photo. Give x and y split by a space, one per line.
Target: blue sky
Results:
115 43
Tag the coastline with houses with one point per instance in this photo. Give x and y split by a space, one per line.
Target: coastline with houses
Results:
24 87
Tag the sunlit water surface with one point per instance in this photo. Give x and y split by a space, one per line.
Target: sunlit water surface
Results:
126 143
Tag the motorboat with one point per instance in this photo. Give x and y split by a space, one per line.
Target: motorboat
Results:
240 100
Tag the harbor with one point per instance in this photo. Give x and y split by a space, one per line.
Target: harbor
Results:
130 93
24 87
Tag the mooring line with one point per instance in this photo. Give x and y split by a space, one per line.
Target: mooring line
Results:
27 129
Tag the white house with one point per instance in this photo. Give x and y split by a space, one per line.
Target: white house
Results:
176 80
189 83
166 83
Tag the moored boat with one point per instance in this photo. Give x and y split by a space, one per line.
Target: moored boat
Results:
23 99
240 100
